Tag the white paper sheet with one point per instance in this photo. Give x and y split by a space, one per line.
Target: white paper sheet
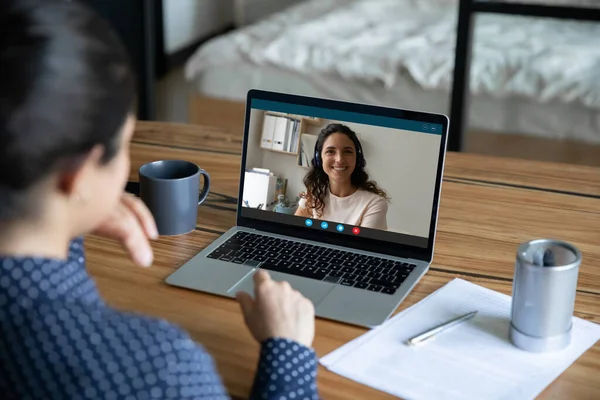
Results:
473 360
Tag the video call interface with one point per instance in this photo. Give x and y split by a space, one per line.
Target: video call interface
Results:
343 172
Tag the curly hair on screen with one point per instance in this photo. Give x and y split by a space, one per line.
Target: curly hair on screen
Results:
317 181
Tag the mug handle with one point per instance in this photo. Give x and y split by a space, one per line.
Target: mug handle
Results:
205 188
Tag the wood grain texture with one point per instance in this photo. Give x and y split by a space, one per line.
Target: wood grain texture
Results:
480 226
188 137
538 174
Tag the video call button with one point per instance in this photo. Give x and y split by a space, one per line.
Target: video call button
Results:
308 222
356 230
340 228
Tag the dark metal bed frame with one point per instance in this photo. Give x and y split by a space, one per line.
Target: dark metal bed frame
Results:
464 32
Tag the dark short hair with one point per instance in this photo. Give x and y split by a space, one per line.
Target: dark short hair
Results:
66 85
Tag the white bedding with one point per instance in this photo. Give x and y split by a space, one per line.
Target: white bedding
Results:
380 42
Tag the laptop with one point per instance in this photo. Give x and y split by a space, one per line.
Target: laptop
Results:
358 265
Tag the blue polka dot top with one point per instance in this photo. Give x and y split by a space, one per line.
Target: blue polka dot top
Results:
59 340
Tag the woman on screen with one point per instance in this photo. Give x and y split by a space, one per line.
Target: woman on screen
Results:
338 188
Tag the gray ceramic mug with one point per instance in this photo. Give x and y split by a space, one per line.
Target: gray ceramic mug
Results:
169 188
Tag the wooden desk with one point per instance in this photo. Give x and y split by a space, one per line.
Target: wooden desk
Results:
488 207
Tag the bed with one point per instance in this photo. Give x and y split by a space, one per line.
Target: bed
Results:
537 77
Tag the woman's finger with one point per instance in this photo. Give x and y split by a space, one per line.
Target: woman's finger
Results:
134 238
142 213
260 277
126 228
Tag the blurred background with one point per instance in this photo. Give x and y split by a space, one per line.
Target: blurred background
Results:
533 82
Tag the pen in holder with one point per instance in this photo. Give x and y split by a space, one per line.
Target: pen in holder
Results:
543 295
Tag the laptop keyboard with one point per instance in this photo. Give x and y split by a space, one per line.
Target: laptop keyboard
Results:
312 261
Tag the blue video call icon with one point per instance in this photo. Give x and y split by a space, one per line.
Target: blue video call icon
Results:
324 225
308 222
340 228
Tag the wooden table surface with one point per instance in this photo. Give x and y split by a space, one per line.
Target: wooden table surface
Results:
488 207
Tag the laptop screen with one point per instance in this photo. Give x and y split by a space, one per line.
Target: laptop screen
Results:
343 172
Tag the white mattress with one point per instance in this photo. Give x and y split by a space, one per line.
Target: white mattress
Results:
549 120
534 76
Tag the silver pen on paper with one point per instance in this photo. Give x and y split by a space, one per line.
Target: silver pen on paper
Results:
440 328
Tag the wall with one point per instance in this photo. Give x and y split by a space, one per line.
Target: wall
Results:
186 21
404 164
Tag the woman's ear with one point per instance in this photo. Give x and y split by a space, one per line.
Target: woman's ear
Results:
73 179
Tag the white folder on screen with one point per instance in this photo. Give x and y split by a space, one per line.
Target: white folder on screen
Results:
259 189
267 131
279 134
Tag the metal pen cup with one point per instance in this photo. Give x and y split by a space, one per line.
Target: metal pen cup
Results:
543 295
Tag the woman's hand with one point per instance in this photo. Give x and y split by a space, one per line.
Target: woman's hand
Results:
133 225
277 310
303 212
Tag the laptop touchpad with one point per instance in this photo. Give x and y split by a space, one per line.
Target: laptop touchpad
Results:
310 288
